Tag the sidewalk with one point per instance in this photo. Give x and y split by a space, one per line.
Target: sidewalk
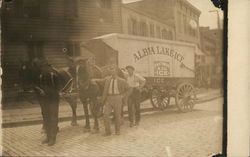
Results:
32 115
161 133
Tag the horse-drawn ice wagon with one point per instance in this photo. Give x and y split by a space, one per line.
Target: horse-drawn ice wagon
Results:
168 66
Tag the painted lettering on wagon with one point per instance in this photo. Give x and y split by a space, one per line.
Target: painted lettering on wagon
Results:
156 51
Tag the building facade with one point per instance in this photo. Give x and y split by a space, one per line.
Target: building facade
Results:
136 22
51 29
178 14
55 29
186 22
211 45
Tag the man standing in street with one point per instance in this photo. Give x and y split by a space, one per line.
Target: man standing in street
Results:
115 88
136 83
46 87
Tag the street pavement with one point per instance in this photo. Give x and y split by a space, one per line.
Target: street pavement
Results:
25 113
161 133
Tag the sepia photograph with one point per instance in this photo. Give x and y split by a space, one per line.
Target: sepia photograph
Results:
113 78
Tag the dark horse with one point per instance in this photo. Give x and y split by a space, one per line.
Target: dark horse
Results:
73 81
27 74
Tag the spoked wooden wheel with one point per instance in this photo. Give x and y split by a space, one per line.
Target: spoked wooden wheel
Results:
185 97
159 100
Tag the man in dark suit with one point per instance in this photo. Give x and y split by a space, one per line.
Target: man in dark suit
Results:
46 86
115 88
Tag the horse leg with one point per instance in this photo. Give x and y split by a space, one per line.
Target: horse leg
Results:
95 111
42 102
86 111
73 104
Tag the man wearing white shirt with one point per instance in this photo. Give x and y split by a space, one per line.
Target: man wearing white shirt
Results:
136 83
115 88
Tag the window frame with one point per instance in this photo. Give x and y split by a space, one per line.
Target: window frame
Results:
134 26
158 32
152 30
143 28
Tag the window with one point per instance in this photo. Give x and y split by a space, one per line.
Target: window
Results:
152 30
164 34
192 31
73 48
185 23
35 50
179 21
31 8
134 26
106 4
158 32
185 9
129 26
70 8
195 32
143 28
170 35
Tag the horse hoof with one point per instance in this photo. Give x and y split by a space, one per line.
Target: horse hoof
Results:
86 130
74 123
95 131
86 127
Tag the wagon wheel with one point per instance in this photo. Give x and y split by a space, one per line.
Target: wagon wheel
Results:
159 100
184 97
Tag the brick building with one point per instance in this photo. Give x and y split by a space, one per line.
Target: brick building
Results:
212 46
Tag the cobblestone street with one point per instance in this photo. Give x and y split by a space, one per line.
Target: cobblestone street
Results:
165 133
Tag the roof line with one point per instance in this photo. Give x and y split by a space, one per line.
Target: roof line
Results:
145 14
192 6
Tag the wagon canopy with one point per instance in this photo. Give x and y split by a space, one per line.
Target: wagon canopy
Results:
150 57
103 52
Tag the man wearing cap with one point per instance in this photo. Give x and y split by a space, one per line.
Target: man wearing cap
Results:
136 83
115 88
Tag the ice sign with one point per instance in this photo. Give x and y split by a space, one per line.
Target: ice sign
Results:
161 68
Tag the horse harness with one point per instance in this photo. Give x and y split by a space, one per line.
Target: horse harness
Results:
48 78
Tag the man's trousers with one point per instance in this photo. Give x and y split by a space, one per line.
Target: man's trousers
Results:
113 102
134 106
49 106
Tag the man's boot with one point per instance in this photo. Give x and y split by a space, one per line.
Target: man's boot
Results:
52 141
46 140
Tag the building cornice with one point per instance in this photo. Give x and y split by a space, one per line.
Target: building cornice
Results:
149 16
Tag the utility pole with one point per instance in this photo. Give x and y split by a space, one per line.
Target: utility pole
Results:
218 17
